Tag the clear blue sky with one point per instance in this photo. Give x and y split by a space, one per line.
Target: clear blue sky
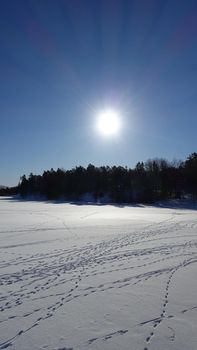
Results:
61 61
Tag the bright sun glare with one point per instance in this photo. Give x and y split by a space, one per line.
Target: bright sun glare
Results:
108 123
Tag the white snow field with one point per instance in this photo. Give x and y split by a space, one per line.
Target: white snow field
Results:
80 277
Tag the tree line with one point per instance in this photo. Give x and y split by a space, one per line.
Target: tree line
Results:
150 181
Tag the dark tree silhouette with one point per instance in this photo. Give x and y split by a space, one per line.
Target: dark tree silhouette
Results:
156 179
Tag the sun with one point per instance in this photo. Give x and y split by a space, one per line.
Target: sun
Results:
108 123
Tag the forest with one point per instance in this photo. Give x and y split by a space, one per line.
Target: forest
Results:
150 181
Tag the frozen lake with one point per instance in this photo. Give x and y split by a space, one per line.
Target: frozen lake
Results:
80 277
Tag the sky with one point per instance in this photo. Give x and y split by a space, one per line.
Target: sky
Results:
64 61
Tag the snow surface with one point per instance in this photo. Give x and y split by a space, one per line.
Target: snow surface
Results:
76 277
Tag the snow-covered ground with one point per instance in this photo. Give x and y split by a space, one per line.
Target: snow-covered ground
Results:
94 277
